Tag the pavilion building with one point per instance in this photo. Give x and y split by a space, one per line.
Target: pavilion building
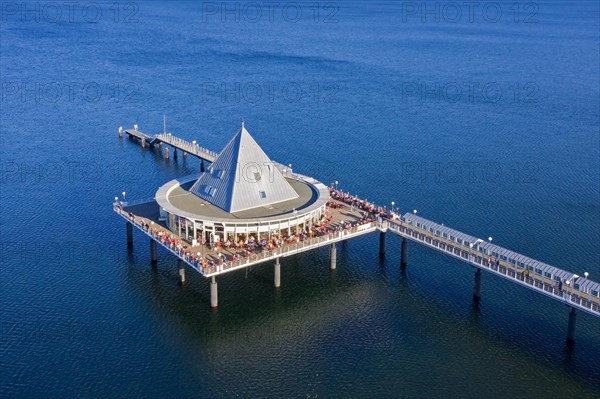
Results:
243 195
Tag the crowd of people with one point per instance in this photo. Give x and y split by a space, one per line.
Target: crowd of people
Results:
364 205
225 254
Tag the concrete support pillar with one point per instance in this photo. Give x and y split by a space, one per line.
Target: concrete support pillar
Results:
382 243
277 274
214 298
174 153
166 152
129 235
477 285
403 253
120 131
184 154
202 165
344 244
181 269
332 257
571 328
143 143
153 251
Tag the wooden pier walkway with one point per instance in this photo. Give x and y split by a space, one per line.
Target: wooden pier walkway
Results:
186 147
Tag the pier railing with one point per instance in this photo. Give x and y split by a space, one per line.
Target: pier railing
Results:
289 249
139 223
187 146
135 202
192 255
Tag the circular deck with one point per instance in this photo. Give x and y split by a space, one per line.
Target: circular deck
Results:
175 198
194 218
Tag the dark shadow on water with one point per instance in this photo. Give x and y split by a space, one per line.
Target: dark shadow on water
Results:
475 311
383 268
243 301
332 279
247 303
403 277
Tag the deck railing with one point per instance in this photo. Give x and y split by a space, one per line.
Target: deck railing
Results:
289 249
132 203
253 258
185 145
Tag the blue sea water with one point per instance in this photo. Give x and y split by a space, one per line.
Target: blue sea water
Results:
487 122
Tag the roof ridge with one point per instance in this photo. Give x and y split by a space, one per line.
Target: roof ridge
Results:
237 181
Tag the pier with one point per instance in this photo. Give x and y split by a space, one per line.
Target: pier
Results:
190 220
167 139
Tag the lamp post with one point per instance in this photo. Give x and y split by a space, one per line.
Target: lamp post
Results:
415 211
123 195
393 203
336 185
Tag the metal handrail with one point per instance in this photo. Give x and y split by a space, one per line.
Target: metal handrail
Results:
191 147
289 249
134 202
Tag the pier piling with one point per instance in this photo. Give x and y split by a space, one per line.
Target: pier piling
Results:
277 274
166 152
129 235
174 153
403 254
153 252
332 257
202 165
214 299
571 328
382 243
181 270
477 285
